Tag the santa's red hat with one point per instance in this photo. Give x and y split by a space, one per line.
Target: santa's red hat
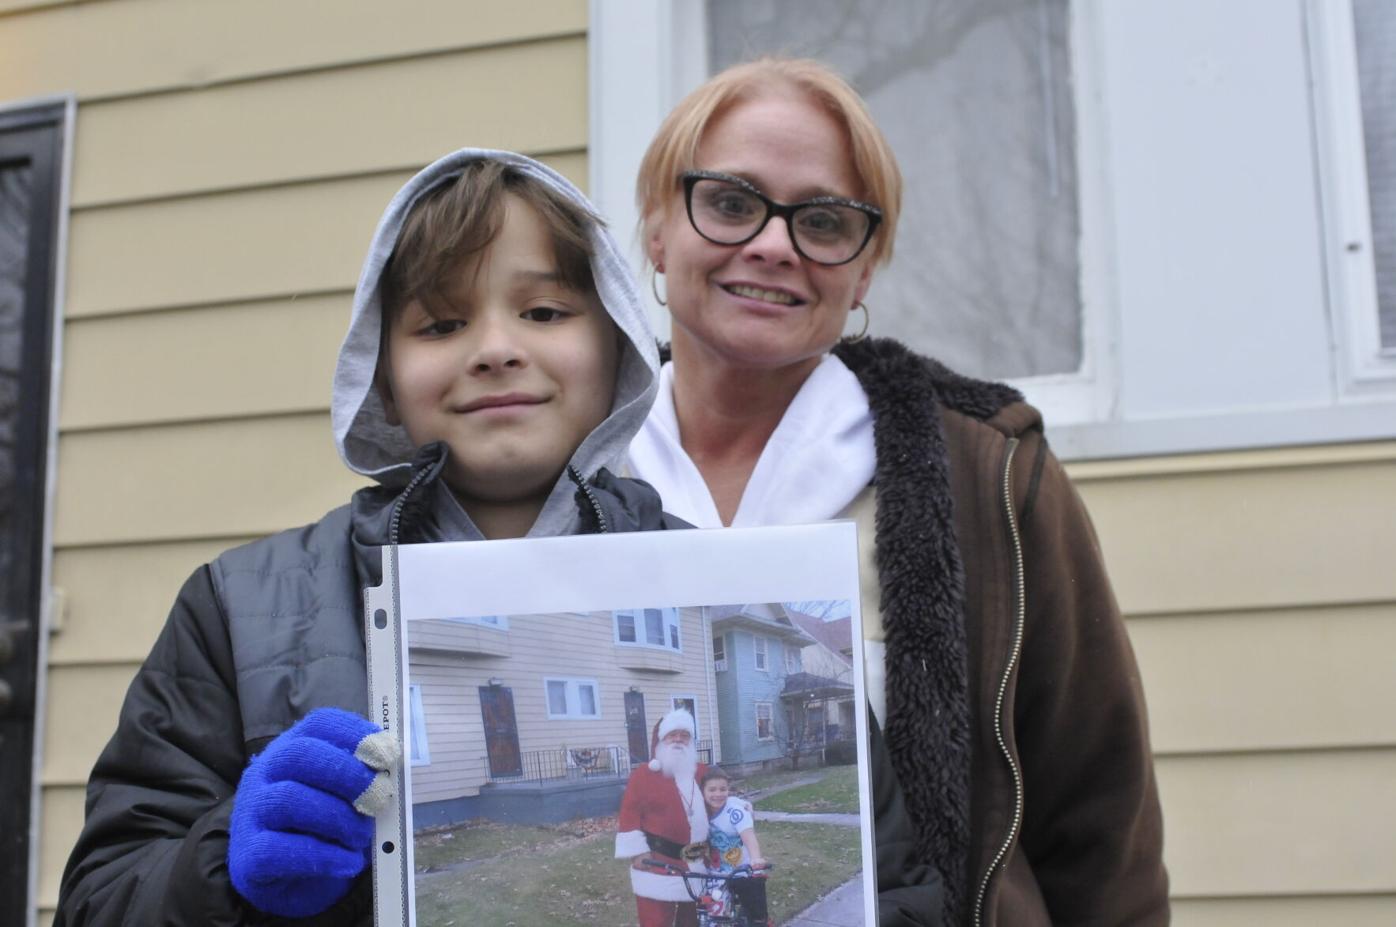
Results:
677 720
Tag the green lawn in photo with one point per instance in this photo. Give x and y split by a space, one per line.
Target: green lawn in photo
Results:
495 876
444 848
810 860
836 791
777 779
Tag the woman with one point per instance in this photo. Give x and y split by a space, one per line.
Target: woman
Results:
1014 721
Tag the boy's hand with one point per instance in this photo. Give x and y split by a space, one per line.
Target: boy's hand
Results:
301 831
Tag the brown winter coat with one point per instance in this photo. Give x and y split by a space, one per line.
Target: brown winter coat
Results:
1015 718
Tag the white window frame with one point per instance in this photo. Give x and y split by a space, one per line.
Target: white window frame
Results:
493 622
760 653
770 719
672 627
645 56
719 653
1364 366
793 653
572 696
419 750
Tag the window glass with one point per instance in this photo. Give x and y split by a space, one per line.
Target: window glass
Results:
975 98
759 651
763 721
1375 28
572 698
421 754
719 649
792 659
625 621
659 627
15 196
654 626
557 697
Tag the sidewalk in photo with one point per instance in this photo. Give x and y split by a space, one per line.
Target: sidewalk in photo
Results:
847 820
843 907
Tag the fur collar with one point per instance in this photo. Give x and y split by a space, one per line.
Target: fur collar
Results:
922 582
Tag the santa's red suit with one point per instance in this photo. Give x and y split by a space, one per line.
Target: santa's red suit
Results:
658 816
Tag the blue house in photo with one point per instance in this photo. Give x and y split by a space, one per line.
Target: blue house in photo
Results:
755 649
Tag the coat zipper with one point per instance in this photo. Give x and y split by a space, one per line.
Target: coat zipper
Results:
601 526
1019 619
395 522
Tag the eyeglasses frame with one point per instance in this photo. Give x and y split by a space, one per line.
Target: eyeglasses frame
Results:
786 211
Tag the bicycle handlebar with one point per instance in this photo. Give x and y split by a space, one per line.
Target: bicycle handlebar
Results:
689 875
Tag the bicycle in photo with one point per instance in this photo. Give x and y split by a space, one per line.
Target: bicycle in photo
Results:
718 905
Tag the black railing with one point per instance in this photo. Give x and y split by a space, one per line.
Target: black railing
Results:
570 764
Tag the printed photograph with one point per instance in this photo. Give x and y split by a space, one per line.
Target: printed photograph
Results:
627 766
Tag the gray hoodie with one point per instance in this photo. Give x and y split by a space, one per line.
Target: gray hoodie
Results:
371 446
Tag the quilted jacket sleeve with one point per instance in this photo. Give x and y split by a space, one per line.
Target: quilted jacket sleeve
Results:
153 849
1092 827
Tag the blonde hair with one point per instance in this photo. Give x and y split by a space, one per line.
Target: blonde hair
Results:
675 146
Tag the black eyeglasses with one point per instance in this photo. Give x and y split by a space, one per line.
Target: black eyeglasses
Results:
727 210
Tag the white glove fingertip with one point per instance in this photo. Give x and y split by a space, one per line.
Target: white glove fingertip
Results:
379 795
381 750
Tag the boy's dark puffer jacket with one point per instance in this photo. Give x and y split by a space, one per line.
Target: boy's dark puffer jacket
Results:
255 640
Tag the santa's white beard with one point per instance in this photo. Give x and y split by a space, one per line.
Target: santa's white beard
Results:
678 761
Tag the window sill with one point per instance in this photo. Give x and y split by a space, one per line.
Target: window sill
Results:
648 659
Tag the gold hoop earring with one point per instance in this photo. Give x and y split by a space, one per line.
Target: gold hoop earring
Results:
654 288
863 332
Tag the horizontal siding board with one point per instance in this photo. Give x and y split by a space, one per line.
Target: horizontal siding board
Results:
83 705
1359 911
543 646
1309 823
206 480
213 362
1325 679
29 6
1213 541
116 599
374 118
61 815
232 247
136 46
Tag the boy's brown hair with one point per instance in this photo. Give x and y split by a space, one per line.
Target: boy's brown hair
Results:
711 773
452 224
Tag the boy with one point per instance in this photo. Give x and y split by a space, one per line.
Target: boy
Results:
732 842
497 362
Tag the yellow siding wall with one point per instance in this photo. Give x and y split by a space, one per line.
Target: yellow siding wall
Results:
1261 598
230 162
569 645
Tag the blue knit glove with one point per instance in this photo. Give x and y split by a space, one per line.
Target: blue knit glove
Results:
301 829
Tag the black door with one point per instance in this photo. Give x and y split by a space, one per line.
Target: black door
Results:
635 727
30 153
501 731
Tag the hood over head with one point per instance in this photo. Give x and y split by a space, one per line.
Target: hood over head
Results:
371 446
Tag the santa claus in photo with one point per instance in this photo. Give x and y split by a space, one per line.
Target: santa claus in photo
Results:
662 812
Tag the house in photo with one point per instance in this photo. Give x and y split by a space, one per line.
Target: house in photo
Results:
756 648
539 718
819 701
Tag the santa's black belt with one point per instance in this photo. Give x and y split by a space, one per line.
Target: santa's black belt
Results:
664 846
